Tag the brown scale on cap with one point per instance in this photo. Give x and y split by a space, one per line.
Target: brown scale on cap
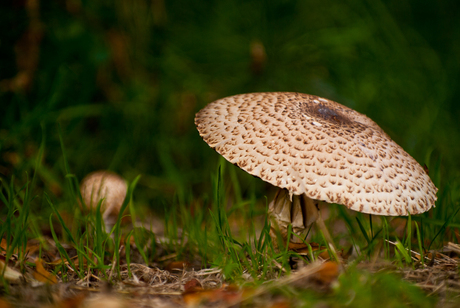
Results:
316 147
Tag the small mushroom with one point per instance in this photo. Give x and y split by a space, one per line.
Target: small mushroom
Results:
315 150
105 185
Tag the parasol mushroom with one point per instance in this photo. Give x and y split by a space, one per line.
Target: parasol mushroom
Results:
315 150
105 185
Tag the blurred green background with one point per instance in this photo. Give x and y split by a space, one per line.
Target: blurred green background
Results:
123 80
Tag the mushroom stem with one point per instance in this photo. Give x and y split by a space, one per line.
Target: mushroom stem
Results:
300 212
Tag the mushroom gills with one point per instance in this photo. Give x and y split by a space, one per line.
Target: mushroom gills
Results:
300 212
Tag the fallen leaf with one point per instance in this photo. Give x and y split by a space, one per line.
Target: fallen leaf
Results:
435 255
31 247
72 302
4 303
325 255
328 272
227 294
3 244
9 273
177 266
457 235
192 285
303 249
43 275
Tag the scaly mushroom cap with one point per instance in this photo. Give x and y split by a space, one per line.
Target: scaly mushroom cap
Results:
104 185
313 146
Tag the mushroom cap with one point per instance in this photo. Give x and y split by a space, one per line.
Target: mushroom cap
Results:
314 146
105 185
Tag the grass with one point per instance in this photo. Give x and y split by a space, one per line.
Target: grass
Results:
116 87
247 258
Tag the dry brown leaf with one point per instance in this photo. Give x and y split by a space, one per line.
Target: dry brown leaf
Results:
65 261
3 244
457 235
302 249
10 274
430 255
177 266
328 272
227 294
58 262
72 302
192 285
325 255
31 248
43 275
4 303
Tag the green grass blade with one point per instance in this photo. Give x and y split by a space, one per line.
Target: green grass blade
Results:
99 241
363 231
117 227
386 238
370 224
61 221
68 233
420 245
444 226
128 252
140 247
61 249
403 251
